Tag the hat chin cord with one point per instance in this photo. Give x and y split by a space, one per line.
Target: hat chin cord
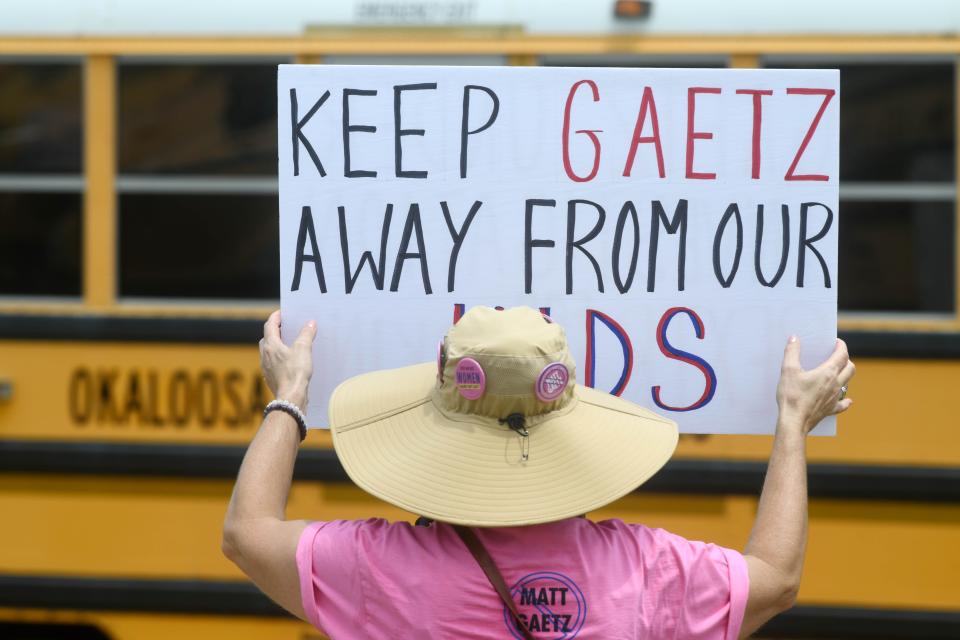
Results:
517 422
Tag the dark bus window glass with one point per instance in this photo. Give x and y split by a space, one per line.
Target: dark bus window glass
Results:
199 246
896 256
40 118
897 121
198 119
41 244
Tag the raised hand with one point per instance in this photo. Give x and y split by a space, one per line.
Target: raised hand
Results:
807 397
287 370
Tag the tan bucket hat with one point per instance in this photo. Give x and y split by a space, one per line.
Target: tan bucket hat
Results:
496 432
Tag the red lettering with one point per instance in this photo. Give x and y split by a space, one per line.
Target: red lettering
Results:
646 103
696 135
667 349
591 133
757 118
827 96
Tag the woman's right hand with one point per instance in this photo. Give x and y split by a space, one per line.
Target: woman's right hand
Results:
287 370
807 397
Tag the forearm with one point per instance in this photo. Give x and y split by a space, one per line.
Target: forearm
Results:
263 482
777 545
779 535
257 537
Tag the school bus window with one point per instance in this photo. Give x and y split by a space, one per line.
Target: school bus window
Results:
197 118
41 182
199 246
897 120
197 156
40 117
40 244
897 256
898 183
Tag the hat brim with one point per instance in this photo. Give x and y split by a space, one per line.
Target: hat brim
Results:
397 445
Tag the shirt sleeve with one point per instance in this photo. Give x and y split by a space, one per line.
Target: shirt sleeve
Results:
739 590
707 583
331 580
715 587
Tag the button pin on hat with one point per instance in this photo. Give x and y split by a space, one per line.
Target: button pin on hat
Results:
552 381
470 378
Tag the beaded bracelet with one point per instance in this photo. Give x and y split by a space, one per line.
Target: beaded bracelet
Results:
290 409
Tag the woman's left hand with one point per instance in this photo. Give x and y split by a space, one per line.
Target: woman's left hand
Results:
287 370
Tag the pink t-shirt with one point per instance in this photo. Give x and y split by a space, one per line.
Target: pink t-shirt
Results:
570 579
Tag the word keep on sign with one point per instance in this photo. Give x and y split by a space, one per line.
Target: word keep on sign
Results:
680 223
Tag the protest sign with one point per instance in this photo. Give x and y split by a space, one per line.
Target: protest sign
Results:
679 223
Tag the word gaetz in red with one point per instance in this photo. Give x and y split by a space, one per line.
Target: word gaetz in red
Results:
648 110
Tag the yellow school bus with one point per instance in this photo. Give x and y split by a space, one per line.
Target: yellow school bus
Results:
139 258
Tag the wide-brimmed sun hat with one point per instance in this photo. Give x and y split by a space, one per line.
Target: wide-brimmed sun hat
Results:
496 432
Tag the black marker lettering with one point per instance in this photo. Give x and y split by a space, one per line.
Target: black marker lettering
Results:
348 128
529 243
307 232
412 225
465 121
376 270
578 244
679 222
626 209
784 245
733 211
458 236
807 243
296 127
399 131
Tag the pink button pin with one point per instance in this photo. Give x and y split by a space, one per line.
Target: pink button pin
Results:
552 381
471 380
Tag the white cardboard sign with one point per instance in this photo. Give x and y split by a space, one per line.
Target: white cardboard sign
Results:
679 223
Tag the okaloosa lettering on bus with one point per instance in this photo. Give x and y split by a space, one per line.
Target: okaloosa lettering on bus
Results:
680 223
